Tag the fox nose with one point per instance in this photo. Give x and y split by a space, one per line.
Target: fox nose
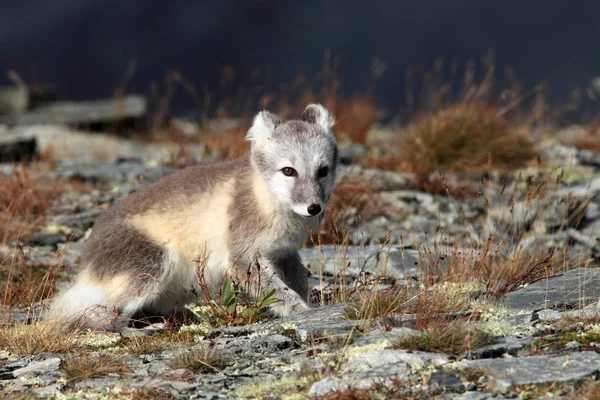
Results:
314 209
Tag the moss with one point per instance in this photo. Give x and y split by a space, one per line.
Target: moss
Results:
287 388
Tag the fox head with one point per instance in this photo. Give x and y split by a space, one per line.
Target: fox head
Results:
297 159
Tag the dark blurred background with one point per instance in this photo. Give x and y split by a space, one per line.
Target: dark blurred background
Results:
84 47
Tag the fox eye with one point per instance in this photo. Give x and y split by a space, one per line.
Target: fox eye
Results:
323 172
287 171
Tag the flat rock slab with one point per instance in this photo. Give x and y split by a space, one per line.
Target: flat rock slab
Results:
38 367
505 373
379 366
574 289
93 111
314 324
109 173
505 345
393 261
364 379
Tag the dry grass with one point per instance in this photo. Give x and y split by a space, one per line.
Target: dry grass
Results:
464 137
423 308
148 344
355 117
230 144
456 338
352 200
200 361
22 339
82 367
24 282
588 391
380 303
24 200
590 141
490 265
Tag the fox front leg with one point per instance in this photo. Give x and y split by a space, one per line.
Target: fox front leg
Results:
293 272
261 274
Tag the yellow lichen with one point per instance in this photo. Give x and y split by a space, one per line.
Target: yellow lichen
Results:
287 388
98 340
356 351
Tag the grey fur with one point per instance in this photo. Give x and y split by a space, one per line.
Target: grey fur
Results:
262 243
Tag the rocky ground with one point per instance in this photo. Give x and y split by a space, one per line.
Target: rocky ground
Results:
541 330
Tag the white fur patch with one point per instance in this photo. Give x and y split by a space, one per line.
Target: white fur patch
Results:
324 119
262 127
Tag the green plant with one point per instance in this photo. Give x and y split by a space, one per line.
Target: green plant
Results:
236 307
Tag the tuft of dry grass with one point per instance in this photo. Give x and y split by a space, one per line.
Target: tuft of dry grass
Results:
24 200
422 307
148 344
200 361
379 303
499 271
355 117
588 391
591 140
464 137
81 367
352 200
22 339
230 144
456 338
23 283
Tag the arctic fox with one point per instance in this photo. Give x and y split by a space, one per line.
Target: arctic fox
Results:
244 218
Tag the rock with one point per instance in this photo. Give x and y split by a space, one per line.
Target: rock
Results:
110 173
38 367
366 378
82 221
588 157
45 239
319 330
505 345
393 261
377 358
49 391
445 381
276 342
14 148
327 385
386 180
504 373
384 338
85 112
573 289
349 153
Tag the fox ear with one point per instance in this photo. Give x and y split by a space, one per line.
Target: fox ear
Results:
263 126
317 114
